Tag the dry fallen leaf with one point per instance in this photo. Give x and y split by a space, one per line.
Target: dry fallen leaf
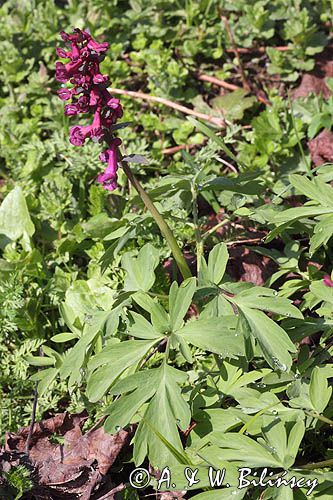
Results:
247 265
321 148
73 466
314 82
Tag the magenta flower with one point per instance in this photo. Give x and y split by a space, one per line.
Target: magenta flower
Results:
79 134
62 53
64 94
109 177
65 71
327 281
98 47
89 94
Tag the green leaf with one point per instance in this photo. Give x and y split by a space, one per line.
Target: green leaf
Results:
217 263
165 409
122 411
294 442
293 214
267 300
159 316
180 298
315 189
140 269
183 347
321 291
323 231
45 378
210 133
142 329
111 362
233 104
232 378
244 450
275 435
63 337
251 187
179 455
215 335
273 340
15 219
76 356
319 391
40 360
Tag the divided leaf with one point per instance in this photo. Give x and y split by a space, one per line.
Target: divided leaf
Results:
140 269
111 362
180 298
272 339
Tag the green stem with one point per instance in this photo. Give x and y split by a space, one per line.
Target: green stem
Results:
316 465
314 414
164 228
215 228
167 351
198 239
254 418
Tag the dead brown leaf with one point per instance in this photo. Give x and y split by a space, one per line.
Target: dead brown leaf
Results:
321 148
73 466
171 495
246 265
314 82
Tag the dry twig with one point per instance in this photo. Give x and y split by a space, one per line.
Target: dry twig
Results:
179 107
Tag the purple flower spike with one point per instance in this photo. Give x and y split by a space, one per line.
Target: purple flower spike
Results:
89 94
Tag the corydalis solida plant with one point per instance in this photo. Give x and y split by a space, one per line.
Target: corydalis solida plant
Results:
89 94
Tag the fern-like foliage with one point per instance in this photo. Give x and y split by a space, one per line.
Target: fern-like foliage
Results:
19 479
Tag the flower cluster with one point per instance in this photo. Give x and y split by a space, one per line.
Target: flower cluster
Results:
89 94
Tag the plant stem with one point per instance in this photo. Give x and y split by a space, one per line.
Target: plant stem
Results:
215 228
198 239
154 351
318 416
316 465
167 350
164 228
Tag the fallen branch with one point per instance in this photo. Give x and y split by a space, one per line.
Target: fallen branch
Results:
226 85
179 107
244 242
180 147
217 81
175 149
261 50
